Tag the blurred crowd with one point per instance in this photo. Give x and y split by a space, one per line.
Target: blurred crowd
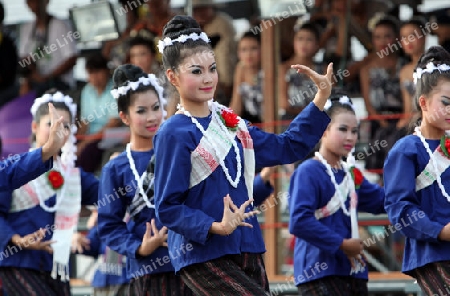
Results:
384 77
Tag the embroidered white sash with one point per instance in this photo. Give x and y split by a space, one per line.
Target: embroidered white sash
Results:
66 215
428 176
335 203
205 159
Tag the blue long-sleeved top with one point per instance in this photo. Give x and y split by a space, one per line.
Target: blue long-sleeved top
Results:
97 248
318 241
20 169
189 213
113 201
125 238
29 221
421 214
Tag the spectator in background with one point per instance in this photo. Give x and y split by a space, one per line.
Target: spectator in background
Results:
247 99
98 112
48 52
8 64
219 28
142 54
442 18
414 48
380 86
296 91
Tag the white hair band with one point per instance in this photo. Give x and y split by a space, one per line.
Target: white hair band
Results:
429 69
343 100
182 39
57 97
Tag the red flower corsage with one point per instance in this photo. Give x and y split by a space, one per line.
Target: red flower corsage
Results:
445 145
56 179
357 176
230 119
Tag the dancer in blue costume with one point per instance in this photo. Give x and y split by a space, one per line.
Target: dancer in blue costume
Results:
20 169
39 218
417 178
205 165
325 195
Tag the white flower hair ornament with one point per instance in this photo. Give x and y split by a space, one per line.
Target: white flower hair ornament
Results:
68 155
133 85
430 68
343 100
182 39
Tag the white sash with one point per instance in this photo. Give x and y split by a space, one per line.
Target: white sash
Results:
205 159
335 203
428 176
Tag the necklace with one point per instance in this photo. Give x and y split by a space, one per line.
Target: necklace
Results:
433 161
333 180
213 108
139 179
59 197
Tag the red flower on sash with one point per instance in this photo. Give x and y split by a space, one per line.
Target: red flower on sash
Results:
230 119
445 145
357 176
56 179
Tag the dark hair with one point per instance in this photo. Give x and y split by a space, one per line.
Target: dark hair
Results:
311 27
390 22
250 34
176 53
2 13
96 61
122 76
417 21
337 107
43 110
147 42
428 81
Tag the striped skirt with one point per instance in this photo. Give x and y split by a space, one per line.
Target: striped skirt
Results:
161 284
24 281
334 285
242 275
434 278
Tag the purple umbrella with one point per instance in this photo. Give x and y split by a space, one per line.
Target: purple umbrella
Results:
15 125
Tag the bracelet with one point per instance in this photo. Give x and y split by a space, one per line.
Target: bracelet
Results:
224 230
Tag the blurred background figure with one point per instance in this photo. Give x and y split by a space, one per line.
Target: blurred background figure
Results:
442 18
219 28
43 69
8 64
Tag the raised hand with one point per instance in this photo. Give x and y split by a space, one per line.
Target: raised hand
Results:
58 134
153 239
323 83
33 241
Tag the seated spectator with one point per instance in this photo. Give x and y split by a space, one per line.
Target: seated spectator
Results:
414 48
441 17
380 87
142 54
98 112
247 99
219 28
296 91
48 52
8 64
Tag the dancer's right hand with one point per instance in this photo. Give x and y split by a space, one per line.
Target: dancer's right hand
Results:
232 217
58 134
352 247
33 241
153 239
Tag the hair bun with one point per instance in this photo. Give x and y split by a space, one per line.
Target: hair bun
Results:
435 54
125 73
179 25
